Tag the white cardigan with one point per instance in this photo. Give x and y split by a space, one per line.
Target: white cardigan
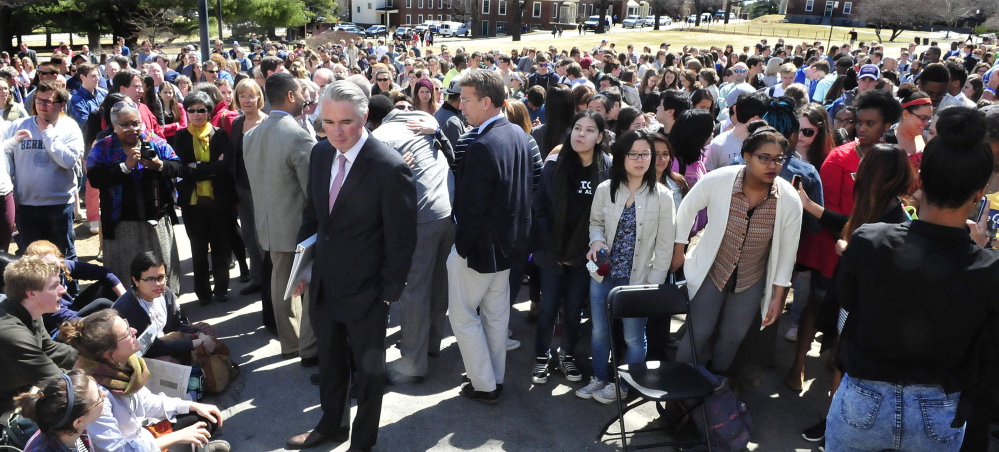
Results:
714 191
654 228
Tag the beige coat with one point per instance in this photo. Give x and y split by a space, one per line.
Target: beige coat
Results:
654 223
276 154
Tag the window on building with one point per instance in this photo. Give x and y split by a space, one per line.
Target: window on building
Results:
848 8
409 3
419 19
369 5
409 19
809 5
485 26
485 7
537 9
358 9
554 11
502 9
449 18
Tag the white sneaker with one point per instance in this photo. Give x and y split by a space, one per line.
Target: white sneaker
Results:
512 344
608 394
95 227
587 391
791 334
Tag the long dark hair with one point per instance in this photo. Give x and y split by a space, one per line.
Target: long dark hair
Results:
823 142
625 117
883 175
559 102
620 150
668 173
690 132
568 162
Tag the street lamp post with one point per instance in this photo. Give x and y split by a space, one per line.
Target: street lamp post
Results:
831 22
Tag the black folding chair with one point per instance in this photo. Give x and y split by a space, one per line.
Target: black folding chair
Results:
656 381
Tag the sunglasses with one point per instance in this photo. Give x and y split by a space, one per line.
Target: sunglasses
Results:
405 107
196 110
808 132
210 71
739 71
46 73
383 79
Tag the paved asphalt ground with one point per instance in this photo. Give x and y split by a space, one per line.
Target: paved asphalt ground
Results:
273 398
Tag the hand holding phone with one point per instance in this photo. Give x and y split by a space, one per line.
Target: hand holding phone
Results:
796 181
977 213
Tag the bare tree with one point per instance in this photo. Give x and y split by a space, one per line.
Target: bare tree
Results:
659 8
952 11
465 11
894 15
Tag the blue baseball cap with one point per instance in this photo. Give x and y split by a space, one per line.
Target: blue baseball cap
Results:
870 71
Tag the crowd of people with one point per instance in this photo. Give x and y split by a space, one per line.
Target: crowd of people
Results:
450 178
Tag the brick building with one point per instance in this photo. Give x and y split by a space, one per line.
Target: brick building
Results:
842 13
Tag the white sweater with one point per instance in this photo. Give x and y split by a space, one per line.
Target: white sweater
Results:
714 191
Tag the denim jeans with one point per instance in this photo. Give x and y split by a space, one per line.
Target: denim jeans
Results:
568 289
634 329
868 415
52 223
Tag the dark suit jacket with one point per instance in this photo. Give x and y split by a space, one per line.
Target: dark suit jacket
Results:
365 247
492 198
217 169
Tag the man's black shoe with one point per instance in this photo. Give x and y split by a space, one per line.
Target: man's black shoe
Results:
465 379
480 396
310 362
249 290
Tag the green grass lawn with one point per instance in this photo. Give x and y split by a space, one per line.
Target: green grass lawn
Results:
739 35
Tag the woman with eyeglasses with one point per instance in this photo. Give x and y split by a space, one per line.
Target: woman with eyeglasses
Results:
107 348
134 171
741 267
150 302
917 112
631 228
561 212
184 85
206 195
62 407
844 126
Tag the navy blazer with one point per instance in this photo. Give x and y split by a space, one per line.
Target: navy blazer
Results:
492 198
365 246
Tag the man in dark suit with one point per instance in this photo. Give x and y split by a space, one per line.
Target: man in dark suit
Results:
492 209
362 206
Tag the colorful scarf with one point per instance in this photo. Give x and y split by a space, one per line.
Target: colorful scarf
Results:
202 153
121 380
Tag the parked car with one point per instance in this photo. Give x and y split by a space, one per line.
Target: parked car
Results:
376 30
633 21
649 21
665 21
433 26
592 22
420 29
350 29
404 33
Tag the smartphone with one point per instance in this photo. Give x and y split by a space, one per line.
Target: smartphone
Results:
796 181
977 213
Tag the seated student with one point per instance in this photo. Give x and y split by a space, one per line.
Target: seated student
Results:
108 347
63 407
151 302
90 300
29 353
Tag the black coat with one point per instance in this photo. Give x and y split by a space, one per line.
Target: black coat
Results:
492 201
217 169
364 247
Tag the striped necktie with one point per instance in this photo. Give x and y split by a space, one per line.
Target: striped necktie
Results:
462 145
